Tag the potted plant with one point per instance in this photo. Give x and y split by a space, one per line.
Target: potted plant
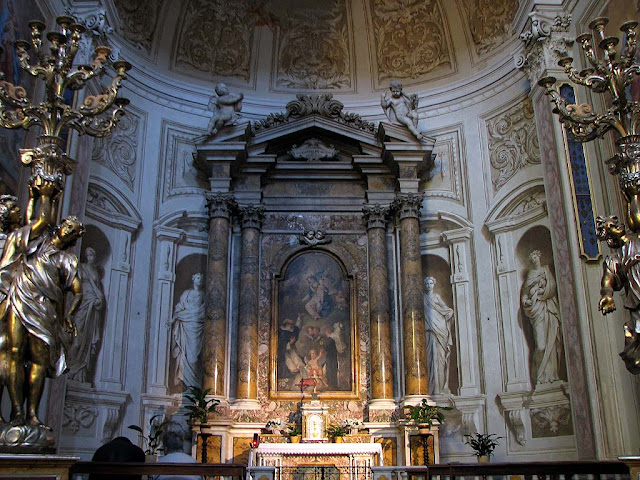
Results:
425 415
294 432
336 432
483 445
152 443
201 406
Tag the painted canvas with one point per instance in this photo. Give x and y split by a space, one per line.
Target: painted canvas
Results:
313 329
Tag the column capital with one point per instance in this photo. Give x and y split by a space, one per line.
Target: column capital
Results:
459 235
546 40
220 204
251 216
408 205
376 215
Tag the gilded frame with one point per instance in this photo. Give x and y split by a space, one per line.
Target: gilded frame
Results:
293 301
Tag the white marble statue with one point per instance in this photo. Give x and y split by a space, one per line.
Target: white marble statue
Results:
187 327
540 306
438 317
401 109
226 108
88 319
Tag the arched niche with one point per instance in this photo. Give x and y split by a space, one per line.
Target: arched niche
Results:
314 328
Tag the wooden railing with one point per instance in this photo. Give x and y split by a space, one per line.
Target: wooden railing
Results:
115 470
598 470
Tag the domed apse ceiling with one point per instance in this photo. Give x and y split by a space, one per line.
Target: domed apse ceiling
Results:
337 46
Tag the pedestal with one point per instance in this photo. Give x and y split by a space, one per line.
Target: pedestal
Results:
41 467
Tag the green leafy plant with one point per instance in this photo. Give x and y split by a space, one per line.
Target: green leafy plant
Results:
201 406
482 443
425 414
294 430
153 441
336 431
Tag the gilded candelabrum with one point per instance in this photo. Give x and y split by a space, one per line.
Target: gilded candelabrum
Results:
611 77
37 269
97 116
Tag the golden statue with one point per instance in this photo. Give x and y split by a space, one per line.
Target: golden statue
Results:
36 272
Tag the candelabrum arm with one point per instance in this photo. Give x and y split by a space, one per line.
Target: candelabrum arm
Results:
77 79
12 95
99 127
97 104
23 58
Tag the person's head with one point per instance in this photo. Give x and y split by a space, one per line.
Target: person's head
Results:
69 230
173 437
534 257
313 353
197 278
90 254
396 88
610 230
221 89
429 283
311 330
10 217
312 281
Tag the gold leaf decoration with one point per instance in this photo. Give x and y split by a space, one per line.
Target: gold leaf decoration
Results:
138 20
490 22
409 37
314 47
215 37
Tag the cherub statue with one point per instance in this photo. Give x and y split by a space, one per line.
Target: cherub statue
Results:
402 109
226 108
621 270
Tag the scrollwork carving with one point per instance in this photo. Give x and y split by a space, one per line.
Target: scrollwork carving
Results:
139 19
78 416
513 143
414 50
490 22
119 152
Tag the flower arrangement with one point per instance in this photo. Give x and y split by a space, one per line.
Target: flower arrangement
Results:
275 425
352 424
293 430
482 443
335 431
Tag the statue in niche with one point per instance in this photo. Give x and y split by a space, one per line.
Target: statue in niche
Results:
438 317
402 109
226 108
187 327
540 305
88 319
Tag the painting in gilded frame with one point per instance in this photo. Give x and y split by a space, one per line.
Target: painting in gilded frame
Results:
313 332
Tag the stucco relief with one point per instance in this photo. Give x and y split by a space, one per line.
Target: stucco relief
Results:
489 22
410 39
314 48
138 20
215 37
119 151
513 143
441 176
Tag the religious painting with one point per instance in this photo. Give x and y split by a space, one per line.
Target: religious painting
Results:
313 329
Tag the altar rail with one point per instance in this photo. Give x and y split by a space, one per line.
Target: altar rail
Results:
570 470
115 470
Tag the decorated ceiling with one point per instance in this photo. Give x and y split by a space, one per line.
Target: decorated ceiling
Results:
337 46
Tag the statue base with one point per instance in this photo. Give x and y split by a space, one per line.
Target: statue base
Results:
26 439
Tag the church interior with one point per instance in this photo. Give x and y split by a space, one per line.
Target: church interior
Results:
337 209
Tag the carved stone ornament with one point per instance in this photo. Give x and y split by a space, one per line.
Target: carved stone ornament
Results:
76 417
323 105
98 31
119 151
375 216
313 238
408 205
139 20
313 150
220 205
251 216
546 42
490 22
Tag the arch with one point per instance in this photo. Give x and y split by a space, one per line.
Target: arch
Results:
522 205
109 205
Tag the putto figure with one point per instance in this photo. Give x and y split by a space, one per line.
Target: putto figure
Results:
401 109
226 108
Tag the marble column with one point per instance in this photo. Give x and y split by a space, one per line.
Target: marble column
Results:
376 217
413 328
251 218
219 206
